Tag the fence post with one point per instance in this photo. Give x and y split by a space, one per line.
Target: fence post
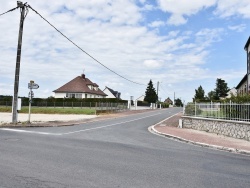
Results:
54 104
195 108
72 104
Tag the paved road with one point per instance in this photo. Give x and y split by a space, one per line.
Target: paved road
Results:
114 153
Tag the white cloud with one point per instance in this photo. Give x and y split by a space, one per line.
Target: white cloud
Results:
176 19
156 24
227 8
181 8
153 63
112 32
238 28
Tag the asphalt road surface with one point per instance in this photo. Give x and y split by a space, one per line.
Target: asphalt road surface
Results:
114 153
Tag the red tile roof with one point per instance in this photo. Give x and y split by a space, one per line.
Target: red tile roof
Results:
79 85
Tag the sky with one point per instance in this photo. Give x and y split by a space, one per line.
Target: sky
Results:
181 44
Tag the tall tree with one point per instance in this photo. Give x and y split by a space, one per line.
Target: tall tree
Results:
150 94
178 102
221 89
211 95
199 94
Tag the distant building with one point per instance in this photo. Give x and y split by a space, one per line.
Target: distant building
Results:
231 92
141 98
168 101
244 86
80 87
111 93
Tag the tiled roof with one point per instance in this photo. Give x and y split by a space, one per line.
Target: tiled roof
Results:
79 85
115 93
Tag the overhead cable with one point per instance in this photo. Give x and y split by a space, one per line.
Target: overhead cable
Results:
9 11
82 49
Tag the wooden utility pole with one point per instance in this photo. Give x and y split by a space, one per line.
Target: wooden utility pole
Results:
18 59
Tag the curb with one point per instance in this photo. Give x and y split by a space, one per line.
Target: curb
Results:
232 150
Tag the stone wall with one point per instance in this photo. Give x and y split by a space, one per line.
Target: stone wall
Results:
230 128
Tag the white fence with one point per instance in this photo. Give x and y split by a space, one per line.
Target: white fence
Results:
228 111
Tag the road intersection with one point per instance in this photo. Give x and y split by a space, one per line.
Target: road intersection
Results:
118 152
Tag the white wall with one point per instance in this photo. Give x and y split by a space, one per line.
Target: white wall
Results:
60 95
107 92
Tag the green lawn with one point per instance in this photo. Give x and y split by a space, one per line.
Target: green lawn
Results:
42 110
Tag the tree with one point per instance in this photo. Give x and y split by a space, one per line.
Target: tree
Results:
178 102
221 89
199 94
150 94
211 95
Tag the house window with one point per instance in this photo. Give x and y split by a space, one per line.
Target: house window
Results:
73 95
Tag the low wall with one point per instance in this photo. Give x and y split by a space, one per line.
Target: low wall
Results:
236 129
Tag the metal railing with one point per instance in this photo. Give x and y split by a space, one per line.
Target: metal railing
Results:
226 111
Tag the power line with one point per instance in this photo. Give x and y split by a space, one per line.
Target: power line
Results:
9 11
82 49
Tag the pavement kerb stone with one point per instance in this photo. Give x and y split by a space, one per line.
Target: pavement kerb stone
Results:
233 150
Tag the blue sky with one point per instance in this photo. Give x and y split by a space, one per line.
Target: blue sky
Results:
180 44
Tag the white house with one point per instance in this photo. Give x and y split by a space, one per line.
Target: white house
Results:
141 98
231 92
111 93
79 87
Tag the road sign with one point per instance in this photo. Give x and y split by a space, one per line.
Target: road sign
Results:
33 86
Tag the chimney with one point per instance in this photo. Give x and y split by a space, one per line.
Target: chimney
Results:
83 76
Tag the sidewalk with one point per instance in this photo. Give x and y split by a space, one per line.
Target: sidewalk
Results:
169 128
52 120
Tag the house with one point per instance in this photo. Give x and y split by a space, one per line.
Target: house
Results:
244 86
80 87
168 101
231 92
111 93
141 98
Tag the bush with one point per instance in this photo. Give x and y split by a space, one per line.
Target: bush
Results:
190 109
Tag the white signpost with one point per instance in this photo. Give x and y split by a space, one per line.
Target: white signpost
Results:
31 86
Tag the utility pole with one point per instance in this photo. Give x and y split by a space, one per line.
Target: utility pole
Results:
18 59
157 89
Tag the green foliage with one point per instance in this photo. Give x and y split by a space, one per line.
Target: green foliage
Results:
143 103
190 109
164 105
211 95
199 94
178 102
52 99
150 94
238 99
221 89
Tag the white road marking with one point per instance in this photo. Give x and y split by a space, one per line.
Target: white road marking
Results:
83 130
109 125
24 131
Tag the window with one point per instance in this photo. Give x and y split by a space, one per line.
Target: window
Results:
74 95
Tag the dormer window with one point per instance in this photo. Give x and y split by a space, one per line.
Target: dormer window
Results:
90 87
